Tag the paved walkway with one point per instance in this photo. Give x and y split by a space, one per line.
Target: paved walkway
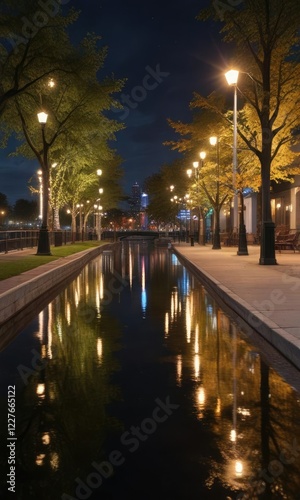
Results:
267 298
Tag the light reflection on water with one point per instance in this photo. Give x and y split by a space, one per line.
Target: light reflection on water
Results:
135 326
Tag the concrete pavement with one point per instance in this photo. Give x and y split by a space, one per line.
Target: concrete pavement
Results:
266 298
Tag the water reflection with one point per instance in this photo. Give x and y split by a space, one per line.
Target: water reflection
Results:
132 327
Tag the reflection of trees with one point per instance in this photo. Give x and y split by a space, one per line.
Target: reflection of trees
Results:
249 412
64 415
252 412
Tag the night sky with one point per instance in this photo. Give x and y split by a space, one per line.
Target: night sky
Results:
166 55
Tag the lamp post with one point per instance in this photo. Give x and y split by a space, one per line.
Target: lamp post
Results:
40 178
189 173
202 228
196 171
187 211
232 79
43 241
2 217
98 209
214 141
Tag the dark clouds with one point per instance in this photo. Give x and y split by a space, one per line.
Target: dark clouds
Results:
141 35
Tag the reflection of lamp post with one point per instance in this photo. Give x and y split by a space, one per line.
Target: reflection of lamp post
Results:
232 78
214 141
43 242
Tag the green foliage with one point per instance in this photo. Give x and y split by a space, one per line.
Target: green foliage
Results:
3 201
158 186
69 84
266 39
31 47
25 210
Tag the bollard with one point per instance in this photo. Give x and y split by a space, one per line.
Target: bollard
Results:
192 241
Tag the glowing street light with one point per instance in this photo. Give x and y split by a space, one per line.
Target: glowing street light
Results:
214 141
42 118
232 79
43 241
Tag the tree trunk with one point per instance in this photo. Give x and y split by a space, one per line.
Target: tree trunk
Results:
56 221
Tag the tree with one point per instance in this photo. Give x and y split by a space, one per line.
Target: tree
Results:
25 211
4 208
77 132
266 39
34 44
158 186
3 202
214 183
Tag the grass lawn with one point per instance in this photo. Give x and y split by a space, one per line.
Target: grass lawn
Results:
13 266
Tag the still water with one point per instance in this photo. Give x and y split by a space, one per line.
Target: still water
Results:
134 384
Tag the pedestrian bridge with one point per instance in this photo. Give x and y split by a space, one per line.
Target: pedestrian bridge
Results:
131 235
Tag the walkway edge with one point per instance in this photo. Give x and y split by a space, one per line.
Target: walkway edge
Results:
45 278
247 314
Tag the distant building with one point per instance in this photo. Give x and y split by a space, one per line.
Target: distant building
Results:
143 213
138 203
135 199
144 200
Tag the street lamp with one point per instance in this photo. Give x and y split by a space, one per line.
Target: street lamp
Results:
232 79
98 209
2 217
192 229
40 177
196 167
202 225
202 155
43 241
214 141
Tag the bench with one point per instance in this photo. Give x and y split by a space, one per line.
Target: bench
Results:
288 242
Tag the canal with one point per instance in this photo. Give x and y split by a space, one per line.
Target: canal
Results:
133 383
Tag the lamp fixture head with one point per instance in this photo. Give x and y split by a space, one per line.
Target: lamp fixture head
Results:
232 76
42 117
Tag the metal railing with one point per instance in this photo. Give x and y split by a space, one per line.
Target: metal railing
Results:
20 239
